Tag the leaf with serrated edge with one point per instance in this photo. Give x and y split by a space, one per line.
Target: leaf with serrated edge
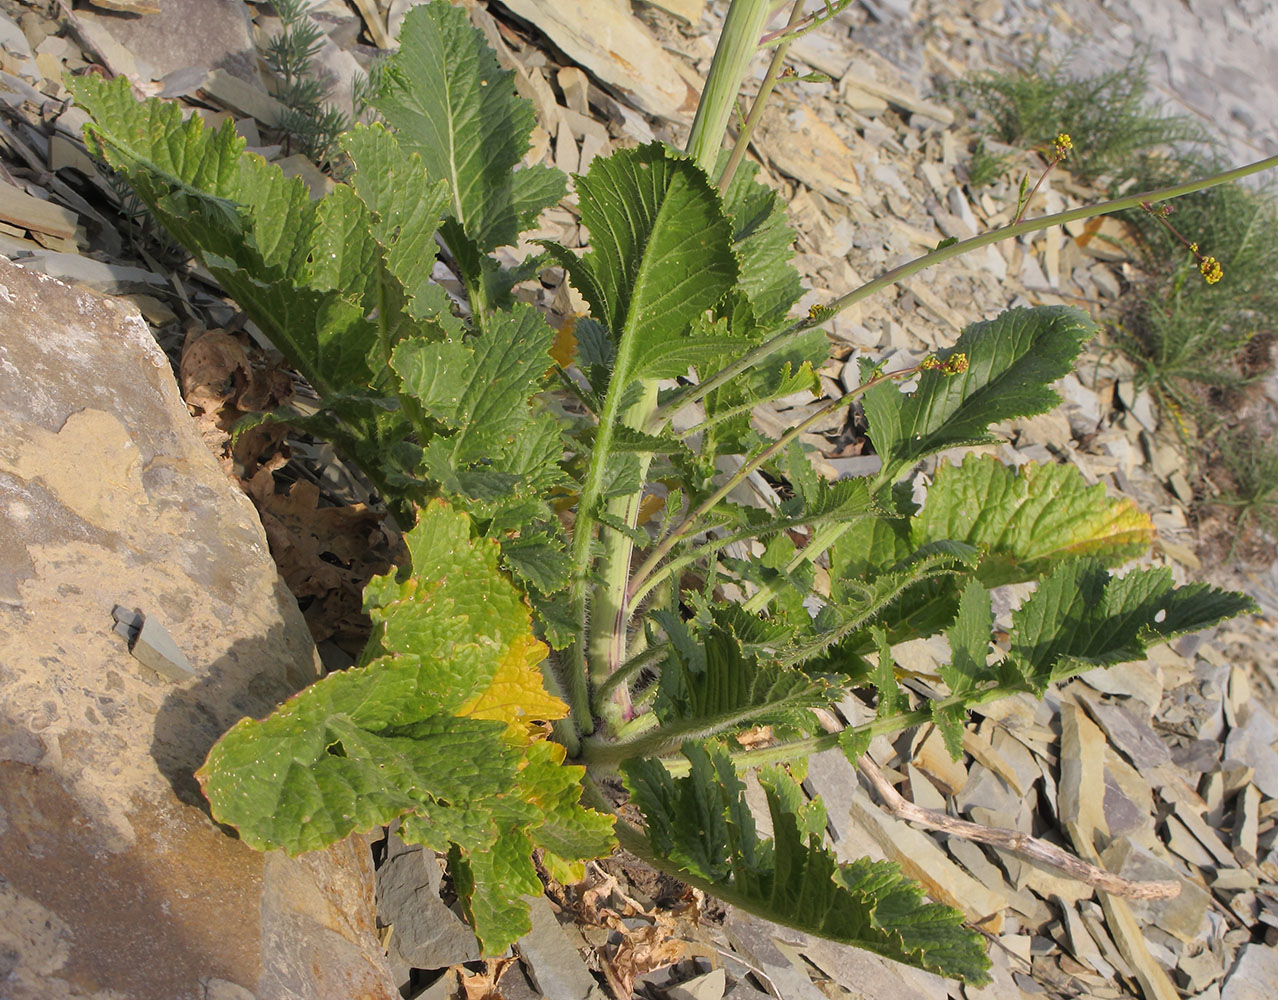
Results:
301 270
450 102
764 242
662 247
884 676
969 638
715 682
701 822
483 386
572 833
1026 520
404 204
1082 617
1012 362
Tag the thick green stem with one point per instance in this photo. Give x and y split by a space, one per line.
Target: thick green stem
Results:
607 648
666 739
885 726
595 650
626 671
761 99
787 336
737 46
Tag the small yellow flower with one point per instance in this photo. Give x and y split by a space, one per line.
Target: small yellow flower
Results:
955 364
1063 145
1211 269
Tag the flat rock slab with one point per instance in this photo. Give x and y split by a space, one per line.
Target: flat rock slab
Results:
114 881
605 38
214 34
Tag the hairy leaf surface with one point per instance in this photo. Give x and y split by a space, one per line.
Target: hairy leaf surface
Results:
701 822
299 269
1025 520
1012 362
480 386
451 103
1081 617
442 727
662 250
764 242
714 682
969 638
405 206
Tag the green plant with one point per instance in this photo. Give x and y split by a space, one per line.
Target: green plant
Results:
578 557
985 167
307 124
1107 113
1199 342
1252 494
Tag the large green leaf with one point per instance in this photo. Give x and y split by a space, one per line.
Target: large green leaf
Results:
1082 617
482 386
405 207
301 270
1025 520
440 728
1020 522
701 823
662 247
764 243
1011 363
451 103
711 682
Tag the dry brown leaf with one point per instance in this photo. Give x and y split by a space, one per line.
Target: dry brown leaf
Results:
759 736
484 985
223 378
659 940
326 554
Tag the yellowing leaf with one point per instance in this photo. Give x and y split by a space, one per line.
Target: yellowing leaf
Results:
649 507
1026 520
517 695
564 348
563 872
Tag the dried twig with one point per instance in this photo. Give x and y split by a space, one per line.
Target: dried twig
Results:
1018 843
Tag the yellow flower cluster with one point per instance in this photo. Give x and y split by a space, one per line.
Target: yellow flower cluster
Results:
955 364
1063 145
1211 269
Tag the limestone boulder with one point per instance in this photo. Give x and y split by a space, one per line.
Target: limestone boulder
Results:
114 881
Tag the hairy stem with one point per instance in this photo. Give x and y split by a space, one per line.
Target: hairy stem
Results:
626 671
787 336
888 724
639 583
821 540
801 27
607 649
